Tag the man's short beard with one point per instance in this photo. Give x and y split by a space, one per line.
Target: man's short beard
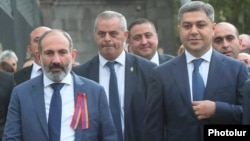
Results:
57 76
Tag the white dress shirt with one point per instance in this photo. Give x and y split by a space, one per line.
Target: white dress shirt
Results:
203 69
36 70
68 105
104 74
155 58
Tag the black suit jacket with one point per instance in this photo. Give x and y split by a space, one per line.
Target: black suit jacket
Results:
23 74
6 85
137 70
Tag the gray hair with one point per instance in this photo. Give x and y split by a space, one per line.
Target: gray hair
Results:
247 36
8 54
109 15
196 6
54 30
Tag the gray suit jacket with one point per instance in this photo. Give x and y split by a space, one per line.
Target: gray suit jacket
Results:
169 101
26 120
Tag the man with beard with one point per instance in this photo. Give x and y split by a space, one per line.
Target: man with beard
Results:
76 110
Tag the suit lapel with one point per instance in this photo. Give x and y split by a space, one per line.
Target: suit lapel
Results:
39 103
180 73
214 72
40 106
130 75
94 69
162 58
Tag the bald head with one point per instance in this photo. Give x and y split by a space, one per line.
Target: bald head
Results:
244 41
226 39
33 41
244 57
38 32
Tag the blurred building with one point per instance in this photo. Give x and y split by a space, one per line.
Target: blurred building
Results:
77 17
18 18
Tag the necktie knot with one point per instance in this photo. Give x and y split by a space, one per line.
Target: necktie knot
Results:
197 63
111 65
57 86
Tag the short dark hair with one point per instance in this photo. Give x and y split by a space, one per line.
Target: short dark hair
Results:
140 21
196 6
54 30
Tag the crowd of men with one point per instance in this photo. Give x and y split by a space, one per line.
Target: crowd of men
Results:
129 91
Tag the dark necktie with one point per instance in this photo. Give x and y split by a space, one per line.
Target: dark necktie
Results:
198 83
114 102
55 112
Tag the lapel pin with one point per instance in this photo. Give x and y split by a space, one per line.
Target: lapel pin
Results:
131 69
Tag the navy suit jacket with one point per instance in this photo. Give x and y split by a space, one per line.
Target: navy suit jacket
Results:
169 101
165 57
246 103
26 119
136 83
22 74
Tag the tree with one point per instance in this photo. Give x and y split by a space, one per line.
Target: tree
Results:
236 12
233 11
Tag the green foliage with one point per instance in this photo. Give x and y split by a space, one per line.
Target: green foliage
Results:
236 12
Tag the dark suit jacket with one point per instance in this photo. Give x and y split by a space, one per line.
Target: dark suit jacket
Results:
26 120
6 85
169 101
136 83
246 103
22 74
164 57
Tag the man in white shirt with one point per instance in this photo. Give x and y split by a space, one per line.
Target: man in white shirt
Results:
77 110
143 41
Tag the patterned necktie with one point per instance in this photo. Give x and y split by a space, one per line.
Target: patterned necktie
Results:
198 83
55 112
114 102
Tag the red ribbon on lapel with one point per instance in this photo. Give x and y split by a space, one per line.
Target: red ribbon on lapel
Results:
80 112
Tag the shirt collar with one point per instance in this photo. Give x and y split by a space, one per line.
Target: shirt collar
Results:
155 58
206 56
120 59
36 67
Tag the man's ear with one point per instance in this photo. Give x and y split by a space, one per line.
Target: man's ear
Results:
37 56
74 53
